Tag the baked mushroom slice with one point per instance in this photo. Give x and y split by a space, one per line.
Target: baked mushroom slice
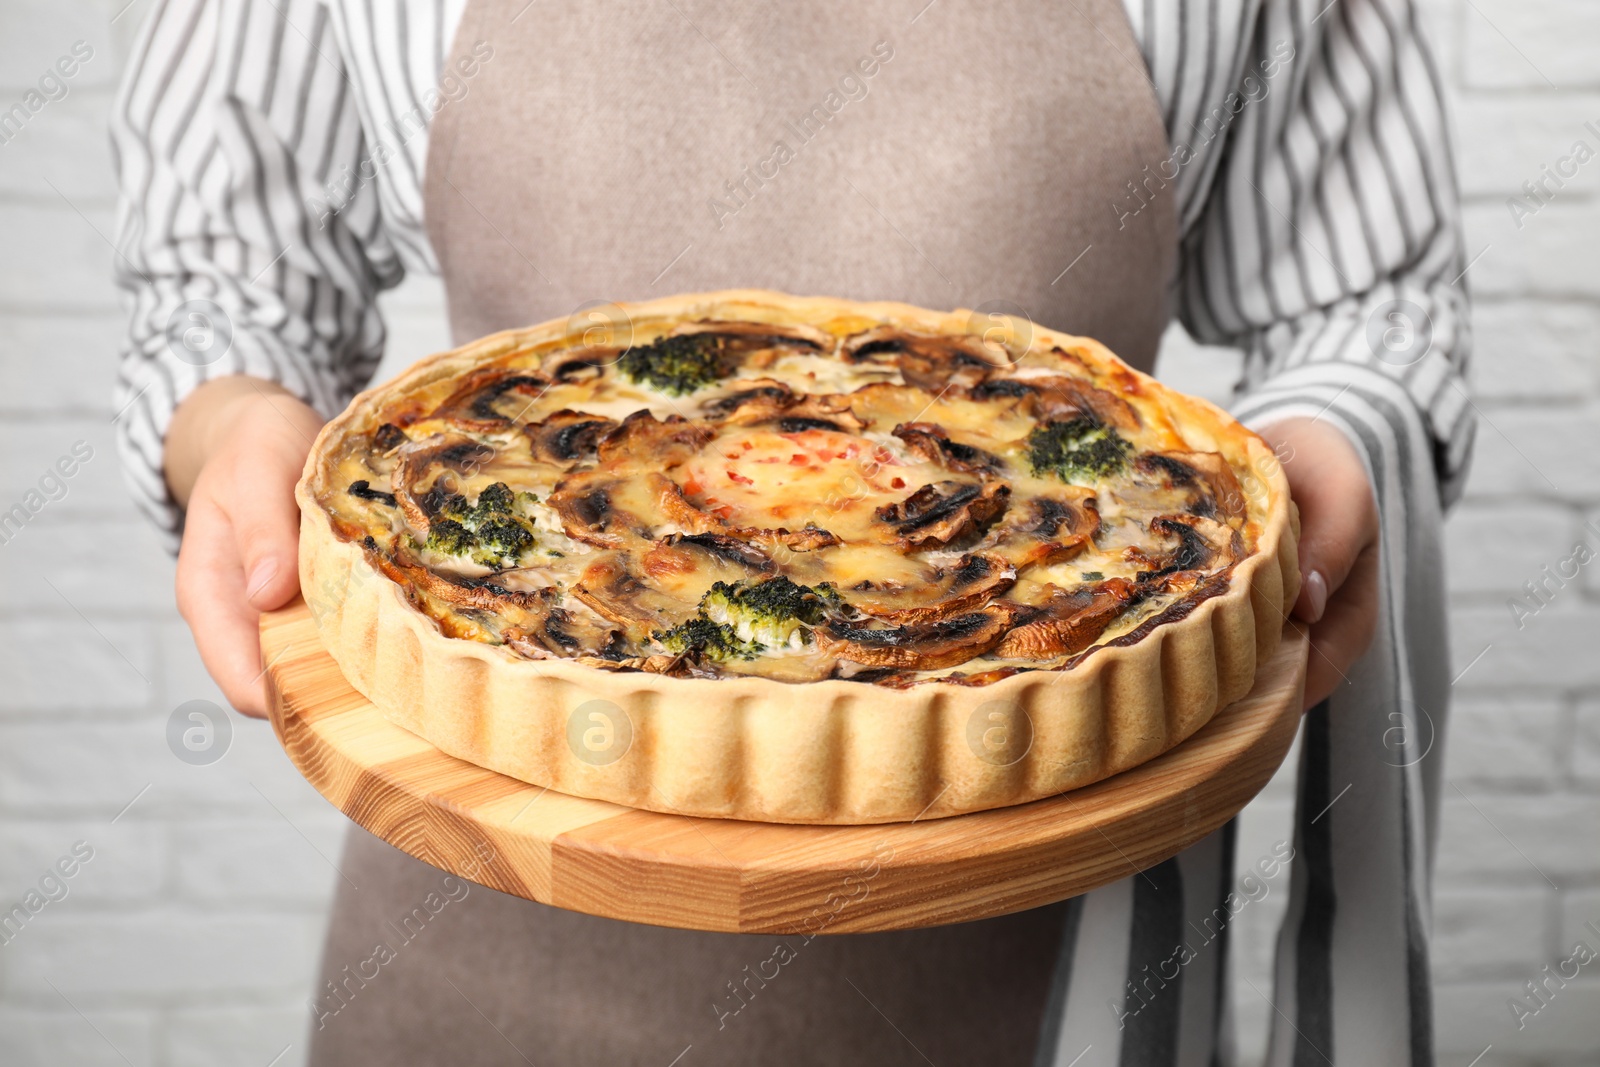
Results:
1060 397
579 366
931 441
681 511
476 404
1212 487
970 582
918 645
1046 529
568 630
609 587
805 539
726 549
565 439
388 437
362 489
980 679
1070 621
687 567
463 592
889 678
766 401
626 496
600 508
990 425
455 452
927 362
1201 545
828 411
941 512
759 336
754 401
643 442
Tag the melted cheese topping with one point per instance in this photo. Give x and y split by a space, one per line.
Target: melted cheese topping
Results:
614 563
834 481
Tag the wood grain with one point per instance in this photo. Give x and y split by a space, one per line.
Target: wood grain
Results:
718 874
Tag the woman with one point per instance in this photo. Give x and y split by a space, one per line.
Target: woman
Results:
1274 172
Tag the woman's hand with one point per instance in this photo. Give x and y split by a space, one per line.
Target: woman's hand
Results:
1338 547
234 451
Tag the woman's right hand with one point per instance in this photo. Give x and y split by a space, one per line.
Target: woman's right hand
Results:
234 451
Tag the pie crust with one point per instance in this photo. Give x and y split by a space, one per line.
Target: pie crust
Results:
826 751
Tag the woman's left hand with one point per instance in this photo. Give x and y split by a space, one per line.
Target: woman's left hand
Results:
1338 547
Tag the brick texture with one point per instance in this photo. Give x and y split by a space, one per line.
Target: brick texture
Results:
191 936
1518 866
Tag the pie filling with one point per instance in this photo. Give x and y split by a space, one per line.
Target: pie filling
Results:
734 498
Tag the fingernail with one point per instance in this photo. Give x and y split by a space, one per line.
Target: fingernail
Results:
264 572
1316 593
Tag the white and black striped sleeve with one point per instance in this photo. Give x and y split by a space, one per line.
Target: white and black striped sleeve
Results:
1328 243
234 118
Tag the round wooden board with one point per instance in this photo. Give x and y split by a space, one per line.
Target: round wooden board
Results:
744 877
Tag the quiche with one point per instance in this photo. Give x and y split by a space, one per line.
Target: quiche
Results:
754 556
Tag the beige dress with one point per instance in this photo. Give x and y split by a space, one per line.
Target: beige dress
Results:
969 155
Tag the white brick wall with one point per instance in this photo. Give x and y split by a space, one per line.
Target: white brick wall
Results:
1519 859
190 938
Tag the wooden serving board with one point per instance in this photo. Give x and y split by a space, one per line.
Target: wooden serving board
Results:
726 875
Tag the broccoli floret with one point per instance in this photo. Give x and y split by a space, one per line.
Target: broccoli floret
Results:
676 365
743 620
491 530
445 505
502 540
772 612
494 502
496 497
448 537
713 640
1080 449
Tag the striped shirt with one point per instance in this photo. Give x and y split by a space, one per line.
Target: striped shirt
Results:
271 156
271 152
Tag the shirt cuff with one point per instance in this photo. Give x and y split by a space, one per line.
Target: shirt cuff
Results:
1377 413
